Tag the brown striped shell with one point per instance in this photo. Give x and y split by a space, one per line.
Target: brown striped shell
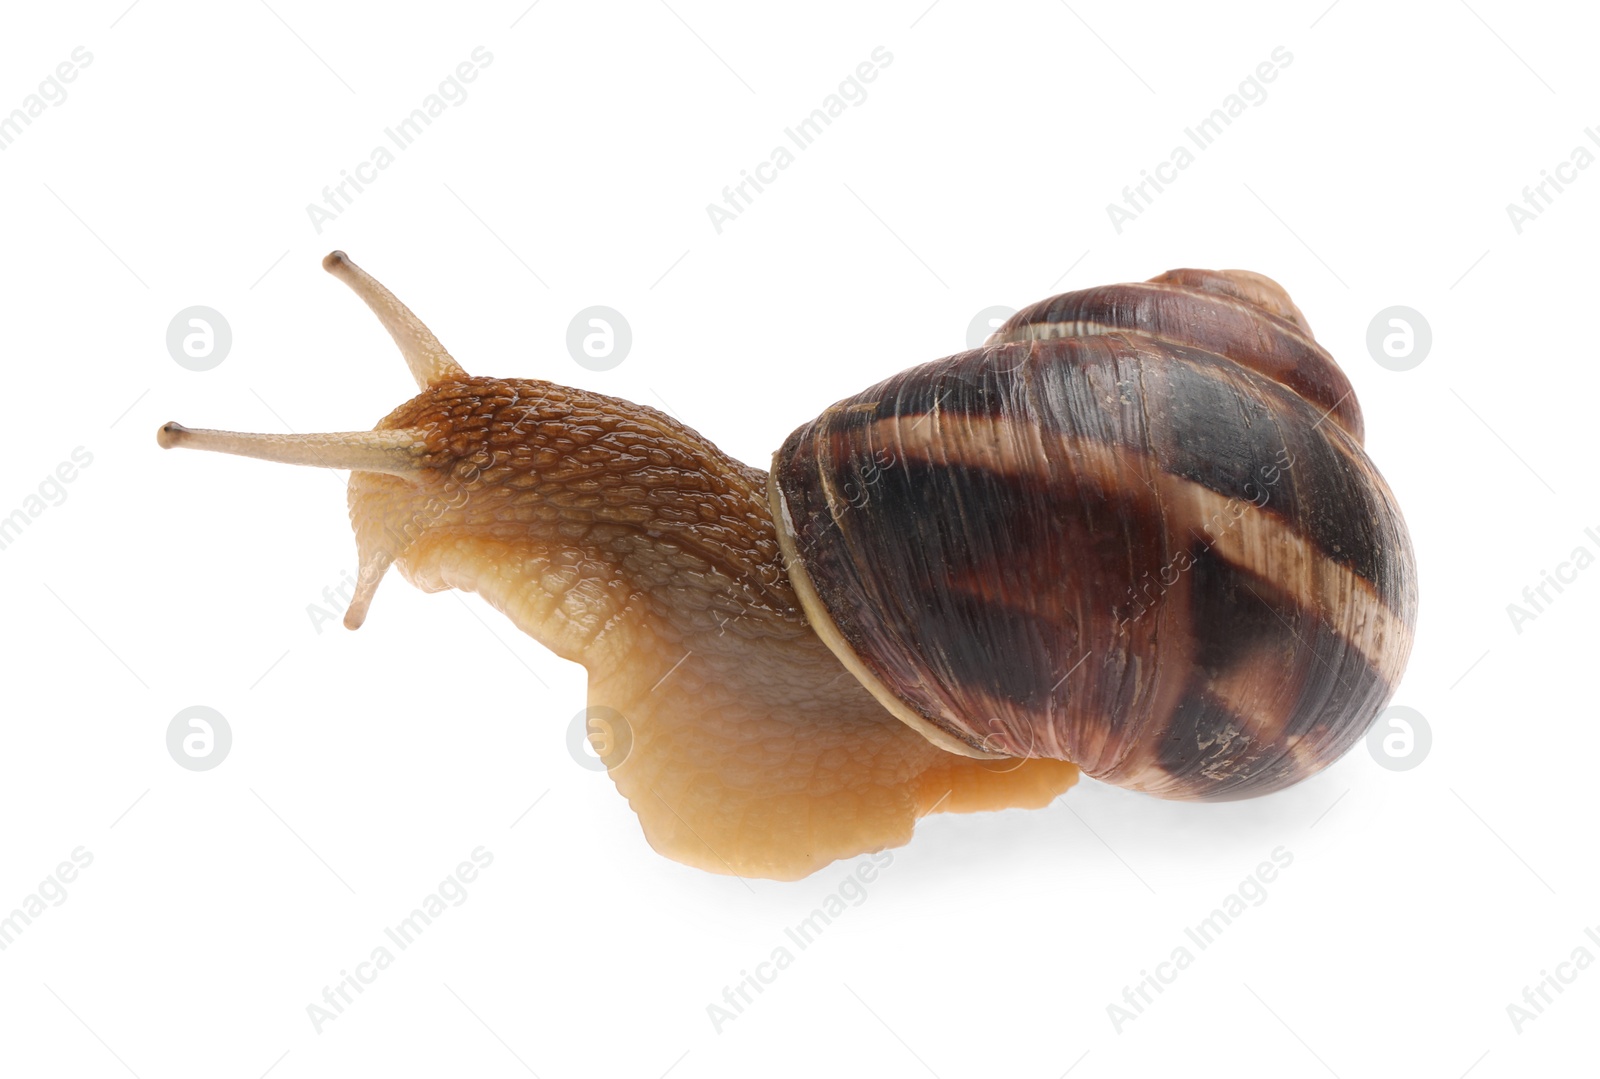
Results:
1135 530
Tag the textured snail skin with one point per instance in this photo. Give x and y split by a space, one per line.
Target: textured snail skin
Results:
770 729
1136 530
623 541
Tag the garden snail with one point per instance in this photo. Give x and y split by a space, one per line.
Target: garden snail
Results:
1134 533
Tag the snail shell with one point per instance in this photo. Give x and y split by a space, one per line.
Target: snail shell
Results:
1135 530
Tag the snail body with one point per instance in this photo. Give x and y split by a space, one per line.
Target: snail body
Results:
1135 533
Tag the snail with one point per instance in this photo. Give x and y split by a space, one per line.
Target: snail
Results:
1135 533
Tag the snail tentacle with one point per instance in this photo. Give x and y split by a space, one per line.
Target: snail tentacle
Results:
429 361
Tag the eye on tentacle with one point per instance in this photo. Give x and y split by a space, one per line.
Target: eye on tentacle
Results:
401 452
430 363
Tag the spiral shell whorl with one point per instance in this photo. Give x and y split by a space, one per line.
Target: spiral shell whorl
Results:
1234 313
1156 550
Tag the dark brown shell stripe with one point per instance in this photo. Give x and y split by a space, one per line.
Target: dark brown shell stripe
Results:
1223 322
1040 517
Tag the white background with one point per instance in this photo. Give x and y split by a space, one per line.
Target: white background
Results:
365 766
